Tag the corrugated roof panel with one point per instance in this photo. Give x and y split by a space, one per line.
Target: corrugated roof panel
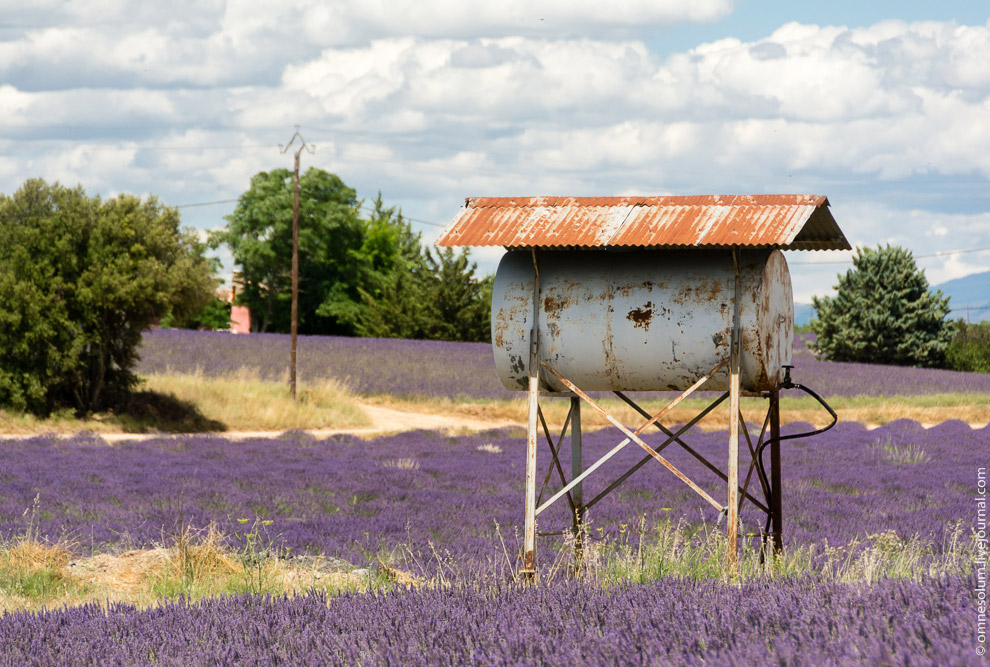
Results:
785 221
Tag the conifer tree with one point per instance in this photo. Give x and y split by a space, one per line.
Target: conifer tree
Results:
883 312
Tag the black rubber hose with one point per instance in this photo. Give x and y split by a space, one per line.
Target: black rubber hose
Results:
759 452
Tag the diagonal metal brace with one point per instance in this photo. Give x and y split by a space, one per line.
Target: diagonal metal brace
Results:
635 436
673 437
555 463
690 450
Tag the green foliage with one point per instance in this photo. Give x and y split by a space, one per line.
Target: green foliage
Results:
366 277
430 297
970 348
392 288
883 313
462 302
80 279
331 264
214 316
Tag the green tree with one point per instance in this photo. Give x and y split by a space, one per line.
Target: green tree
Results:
395 294
883 313
970 347
214 316
437 297
461 300
332 266
80 280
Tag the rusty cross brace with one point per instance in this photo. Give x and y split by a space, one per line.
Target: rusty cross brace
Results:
753 462
555 463
675 437
632 436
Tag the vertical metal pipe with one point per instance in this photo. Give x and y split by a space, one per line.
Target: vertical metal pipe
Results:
577 467
733 468
776 506
529 531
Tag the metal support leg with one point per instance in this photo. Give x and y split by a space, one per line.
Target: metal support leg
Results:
577 467
529 530
776 507
732 471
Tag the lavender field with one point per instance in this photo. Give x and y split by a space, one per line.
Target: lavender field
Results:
353 498
409 368
670 621
449 510
441 506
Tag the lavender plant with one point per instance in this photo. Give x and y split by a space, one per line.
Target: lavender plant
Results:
349 498
466 370
671 621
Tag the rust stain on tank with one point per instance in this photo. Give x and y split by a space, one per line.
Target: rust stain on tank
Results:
553 305
501 327
642 316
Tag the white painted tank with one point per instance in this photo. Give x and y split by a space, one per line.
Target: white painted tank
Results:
643 320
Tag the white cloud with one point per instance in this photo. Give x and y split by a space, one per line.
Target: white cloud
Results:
868 223
83 43
437 100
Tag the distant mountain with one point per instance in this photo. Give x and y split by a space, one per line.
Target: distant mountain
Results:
802 314
970 296
972 291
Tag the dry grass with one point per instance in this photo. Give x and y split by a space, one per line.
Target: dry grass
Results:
193 402
247 403
243 402
874 410
35 576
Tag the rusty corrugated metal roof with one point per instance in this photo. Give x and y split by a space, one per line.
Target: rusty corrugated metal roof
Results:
790 222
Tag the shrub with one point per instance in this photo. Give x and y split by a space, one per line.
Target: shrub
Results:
970 348
80 279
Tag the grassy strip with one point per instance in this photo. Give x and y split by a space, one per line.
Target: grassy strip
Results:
177 403
194 403
877 410
197 564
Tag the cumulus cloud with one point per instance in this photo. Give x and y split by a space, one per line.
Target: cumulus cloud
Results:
436 100
98 43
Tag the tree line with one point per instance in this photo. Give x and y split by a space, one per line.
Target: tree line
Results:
358 276
82 277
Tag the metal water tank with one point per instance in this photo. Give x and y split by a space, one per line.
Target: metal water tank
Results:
643 320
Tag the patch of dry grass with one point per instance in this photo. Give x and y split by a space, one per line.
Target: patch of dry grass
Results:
35 576
245 402
193 402
874 410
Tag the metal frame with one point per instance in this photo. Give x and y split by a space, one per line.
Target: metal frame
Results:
572 489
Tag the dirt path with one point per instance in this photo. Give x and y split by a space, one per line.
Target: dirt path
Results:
383 422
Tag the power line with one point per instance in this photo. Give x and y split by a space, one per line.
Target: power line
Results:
945 253
207 203
365 208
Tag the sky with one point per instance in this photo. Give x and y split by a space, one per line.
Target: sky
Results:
883 107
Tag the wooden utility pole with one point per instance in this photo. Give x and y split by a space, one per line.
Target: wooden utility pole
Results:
294 313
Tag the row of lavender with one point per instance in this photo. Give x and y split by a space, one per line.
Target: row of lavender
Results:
671 621
352 498
448 369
